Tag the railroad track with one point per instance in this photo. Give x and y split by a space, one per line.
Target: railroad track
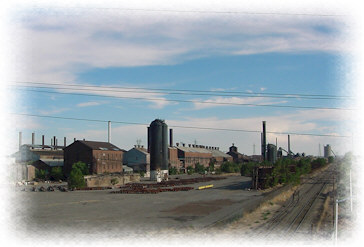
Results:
290 218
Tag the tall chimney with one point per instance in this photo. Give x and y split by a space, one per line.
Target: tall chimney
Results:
264 144
171 137
74 139
54 142
42 141
65 143
33 138
109 131
289 146
20 140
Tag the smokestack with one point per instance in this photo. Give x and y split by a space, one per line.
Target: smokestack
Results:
74 139
264 142
33 138
19 140
171 137
289 146
54 142
42 141
109 131
65 142
148 140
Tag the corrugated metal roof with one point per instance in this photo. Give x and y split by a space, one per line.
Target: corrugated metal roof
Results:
194 150
100 145
218 153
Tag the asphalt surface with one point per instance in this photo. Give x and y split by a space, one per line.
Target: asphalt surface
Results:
88 211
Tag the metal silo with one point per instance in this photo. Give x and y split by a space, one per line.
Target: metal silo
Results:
158 131
272 153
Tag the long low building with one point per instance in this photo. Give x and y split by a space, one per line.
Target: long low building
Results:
198 154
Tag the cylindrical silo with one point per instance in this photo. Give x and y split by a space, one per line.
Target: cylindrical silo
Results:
158 131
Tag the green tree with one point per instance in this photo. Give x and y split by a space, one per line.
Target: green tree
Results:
76 178
173 170
190 170
56 173
41 174
82 167
199 168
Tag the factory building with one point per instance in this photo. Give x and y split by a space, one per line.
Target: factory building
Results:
237 157
31 157
173 160
138 159
192 154
100 157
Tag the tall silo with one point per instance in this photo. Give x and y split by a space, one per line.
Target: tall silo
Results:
327 151
158 131
272 153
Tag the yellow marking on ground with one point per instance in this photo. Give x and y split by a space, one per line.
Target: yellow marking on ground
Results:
205 187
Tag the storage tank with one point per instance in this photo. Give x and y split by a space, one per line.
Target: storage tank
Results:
327 151
158 131
272 153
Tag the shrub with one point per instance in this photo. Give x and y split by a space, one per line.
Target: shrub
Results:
247 168
230 167
142 174
199 168
82 167
56 173
41 174
190 170
76 179
114 181
173 170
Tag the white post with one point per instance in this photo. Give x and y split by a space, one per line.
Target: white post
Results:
351 193
336 220
109 132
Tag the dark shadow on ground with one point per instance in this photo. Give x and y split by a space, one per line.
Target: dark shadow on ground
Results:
237 186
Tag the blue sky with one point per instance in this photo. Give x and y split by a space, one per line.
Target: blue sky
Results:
92 47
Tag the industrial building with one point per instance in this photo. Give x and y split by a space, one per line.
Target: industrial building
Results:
138 159
100 157
237 157
204 155
31 157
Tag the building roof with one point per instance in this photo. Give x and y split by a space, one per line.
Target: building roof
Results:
218 153
194 150
100 145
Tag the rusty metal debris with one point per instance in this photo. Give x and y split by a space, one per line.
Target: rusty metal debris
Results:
154 188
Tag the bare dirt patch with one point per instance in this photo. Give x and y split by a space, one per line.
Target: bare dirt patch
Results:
200 208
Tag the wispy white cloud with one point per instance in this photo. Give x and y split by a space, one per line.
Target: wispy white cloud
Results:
223 101
90 103
57 46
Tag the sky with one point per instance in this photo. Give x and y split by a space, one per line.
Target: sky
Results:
134 61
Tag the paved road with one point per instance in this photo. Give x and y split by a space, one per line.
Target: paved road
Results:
104 211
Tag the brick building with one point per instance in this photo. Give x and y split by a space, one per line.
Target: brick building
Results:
173 160
100 157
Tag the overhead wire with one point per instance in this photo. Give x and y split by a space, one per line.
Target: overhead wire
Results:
316 96
193 101
179 126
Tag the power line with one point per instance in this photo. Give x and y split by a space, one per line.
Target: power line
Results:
193 101
171 92
179 126
186 90
199 11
